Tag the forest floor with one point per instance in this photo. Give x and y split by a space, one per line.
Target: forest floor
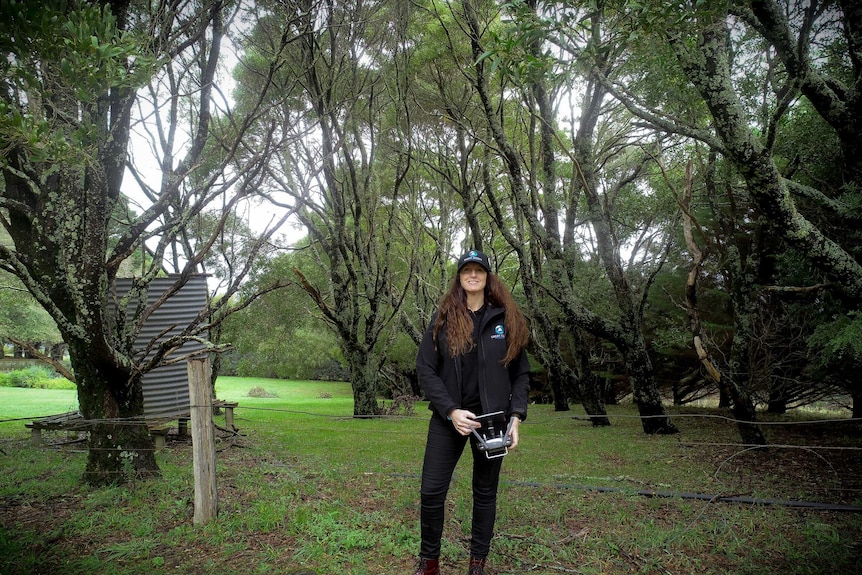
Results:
303 490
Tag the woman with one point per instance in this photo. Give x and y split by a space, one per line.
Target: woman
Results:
471 361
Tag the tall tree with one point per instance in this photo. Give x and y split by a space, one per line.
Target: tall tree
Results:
343 165
542 211
73 72
810 54
665 88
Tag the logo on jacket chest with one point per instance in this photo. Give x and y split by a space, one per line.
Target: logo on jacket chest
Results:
499 332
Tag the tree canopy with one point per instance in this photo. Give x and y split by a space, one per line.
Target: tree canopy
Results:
672 191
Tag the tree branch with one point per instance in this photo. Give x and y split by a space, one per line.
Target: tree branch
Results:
32 350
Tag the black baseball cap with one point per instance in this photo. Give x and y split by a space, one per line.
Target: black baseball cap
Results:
474 257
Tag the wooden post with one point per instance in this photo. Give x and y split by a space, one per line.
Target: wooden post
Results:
35 436
203 440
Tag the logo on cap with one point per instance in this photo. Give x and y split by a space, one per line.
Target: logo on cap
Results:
474 256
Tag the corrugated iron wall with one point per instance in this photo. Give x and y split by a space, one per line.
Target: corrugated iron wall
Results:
166 388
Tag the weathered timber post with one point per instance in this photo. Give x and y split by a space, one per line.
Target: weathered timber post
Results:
203 441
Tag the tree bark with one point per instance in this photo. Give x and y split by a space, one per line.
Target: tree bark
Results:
742 262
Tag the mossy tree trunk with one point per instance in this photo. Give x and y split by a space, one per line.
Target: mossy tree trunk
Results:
365 381
111 399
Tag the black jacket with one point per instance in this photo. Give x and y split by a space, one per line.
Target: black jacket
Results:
500 388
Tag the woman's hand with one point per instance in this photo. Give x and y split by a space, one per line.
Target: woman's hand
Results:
464 421
514 433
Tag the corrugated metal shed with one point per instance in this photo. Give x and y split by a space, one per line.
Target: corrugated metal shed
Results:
166 388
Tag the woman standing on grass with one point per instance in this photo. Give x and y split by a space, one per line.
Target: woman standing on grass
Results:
471 361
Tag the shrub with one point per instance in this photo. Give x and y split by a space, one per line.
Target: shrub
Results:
332 371
260 392
35 377
399 405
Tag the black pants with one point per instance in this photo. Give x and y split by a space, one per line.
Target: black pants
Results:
442 452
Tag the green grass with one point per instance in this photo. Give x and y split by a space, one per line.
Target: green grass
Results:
18 402
306 488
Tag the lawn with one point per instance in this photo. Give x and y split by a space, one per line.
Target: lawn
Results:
306 489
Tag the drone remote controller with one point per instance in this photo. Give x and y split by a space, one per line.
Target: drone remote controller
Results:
495 435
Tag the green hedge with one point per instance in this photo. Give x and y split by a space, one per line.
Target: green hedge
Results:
35 377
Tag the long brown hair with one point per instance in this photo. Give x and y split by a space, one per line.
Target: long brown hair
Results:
459 325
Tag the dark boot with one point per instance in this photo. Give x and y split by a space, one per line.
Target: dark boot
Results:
428 567
477 567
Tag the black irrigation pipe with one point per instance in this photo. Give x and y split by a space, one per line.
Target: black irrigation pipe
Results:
677 495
